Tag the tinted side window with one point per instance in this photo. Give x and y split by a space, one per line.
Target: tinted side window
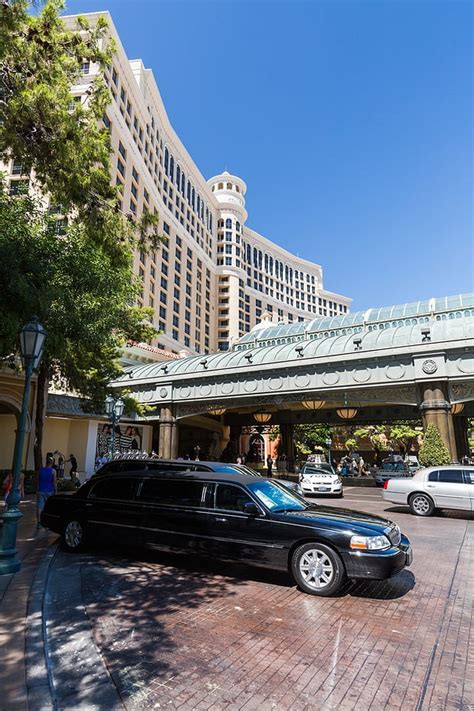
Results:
469 474
179 492
120 489
231 498
451 476
433 476
166 467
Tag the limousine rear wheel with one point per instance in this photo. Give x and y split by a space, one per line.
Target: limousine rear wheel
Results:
421 504
317 569
74 536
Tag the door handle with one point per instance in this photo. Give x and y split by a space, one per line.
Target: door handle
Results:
221 519
430 486
88 504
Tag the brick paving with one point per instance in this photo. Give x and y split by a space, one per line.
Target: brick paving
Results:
179 633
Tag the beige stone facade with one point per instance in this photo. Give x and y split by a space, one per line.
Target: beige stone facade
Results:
214 277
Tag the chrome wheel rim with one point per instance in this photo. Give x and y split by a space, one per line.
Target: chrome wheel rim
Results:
316 569
421 504
73 534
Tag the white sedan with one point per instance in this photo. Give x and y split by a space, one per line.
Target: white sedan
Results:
443 487
320 481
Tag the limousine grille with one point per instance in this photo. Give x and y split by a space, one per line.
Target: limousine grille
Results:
394 535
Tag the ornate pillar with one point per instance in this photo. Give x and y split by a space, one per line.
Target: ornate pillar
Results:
168 438
234 442
460 433
288 444
436 410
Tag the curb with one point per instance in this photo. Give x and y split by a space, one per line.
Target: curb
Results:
38 681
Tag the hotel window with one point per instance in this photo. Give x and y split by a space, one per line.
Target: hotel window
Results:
166 228
120 167
133 206
178 176
114 76
85 68
175 335
134 190
171 173
164 283
163 297
175 321
176 307
183 183
228 224
135 175
167 159
162 312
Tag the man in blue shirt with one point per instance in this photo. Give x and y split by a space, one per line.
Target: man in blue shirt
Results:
45 486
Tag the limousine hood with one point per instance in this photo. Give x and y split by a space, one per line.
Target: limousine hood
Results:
346 518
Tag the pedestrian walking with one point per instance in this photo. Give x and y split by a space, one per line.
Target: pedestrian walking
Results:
73 471
46 484
269 466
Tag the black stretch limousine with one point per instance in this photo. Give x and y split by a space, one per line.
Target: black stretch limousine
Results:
234 517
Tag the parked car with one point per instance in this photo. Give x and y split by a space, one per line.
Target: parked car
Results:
179 465
234 517
448 487
320 479
391 470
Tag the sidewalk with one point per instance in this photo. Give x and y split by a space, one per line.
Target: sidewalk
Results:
24 680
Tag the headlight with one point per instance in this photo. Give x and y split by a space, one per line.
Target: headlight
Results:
370 543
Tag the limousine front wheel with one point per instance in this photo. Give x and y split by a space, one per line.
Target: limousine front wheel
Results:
73 536
317 569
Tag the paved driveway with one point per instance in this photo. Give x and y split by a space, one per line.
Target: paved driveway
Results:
176 632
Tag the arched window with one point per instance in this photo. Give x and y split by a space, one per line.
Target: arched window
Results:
286 272
281 270
193 198
229 186
260 259
171 167
228 224
255 257
266 262
178 176
167 160
249 253
271 265
220 186
183 183
188 192
202 209
237 226
198 204
237 188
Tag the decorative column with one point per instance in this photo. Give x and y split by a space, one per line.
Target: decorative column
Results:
168 438
234 442
288 445
460 435
435 409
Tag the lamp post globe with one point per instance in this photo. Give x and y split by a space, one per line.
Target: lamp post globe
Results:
31 337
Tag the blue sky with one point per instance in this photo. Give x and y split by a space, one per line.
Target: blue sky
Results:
351 123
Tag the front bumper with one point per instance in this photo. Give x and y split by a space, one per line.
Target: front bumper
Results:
378 565
320 488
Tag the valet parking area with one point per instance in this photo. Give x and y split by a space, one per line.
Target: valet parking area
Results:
133 629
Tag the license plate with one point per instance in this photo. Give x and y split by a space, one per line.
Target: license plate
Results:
323 488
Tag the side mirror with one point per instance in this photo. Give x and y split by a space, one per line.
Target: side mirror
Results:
251 509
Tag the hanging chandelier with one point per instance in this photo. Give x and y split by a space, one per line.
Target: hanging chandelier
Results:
313 404
346 412
262 417
216 411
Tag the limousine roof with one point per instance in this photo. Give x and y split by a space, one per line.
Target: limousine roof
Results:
199 476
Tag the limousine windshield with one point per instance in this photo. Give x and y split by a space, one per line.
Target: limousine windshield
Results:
276 497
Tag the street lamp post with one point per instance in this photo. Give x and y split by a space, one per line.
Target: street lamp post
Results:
328 445
32 337
114 409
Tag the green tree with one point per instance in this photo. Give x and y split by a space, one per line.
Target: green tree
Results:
403 436
376 436
308 437
80 284
433 451
82 296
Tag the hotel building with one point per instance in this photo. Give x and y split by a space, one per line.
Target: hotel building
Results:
214 277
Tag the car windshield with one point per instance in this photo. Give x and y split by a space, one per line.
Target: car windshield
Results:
315 470
277 498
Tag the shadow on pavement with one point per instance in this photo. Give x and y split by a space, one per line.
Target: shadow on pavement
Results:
438 513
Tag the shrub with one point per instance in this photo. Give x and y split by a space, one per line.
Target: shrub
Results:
433 451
